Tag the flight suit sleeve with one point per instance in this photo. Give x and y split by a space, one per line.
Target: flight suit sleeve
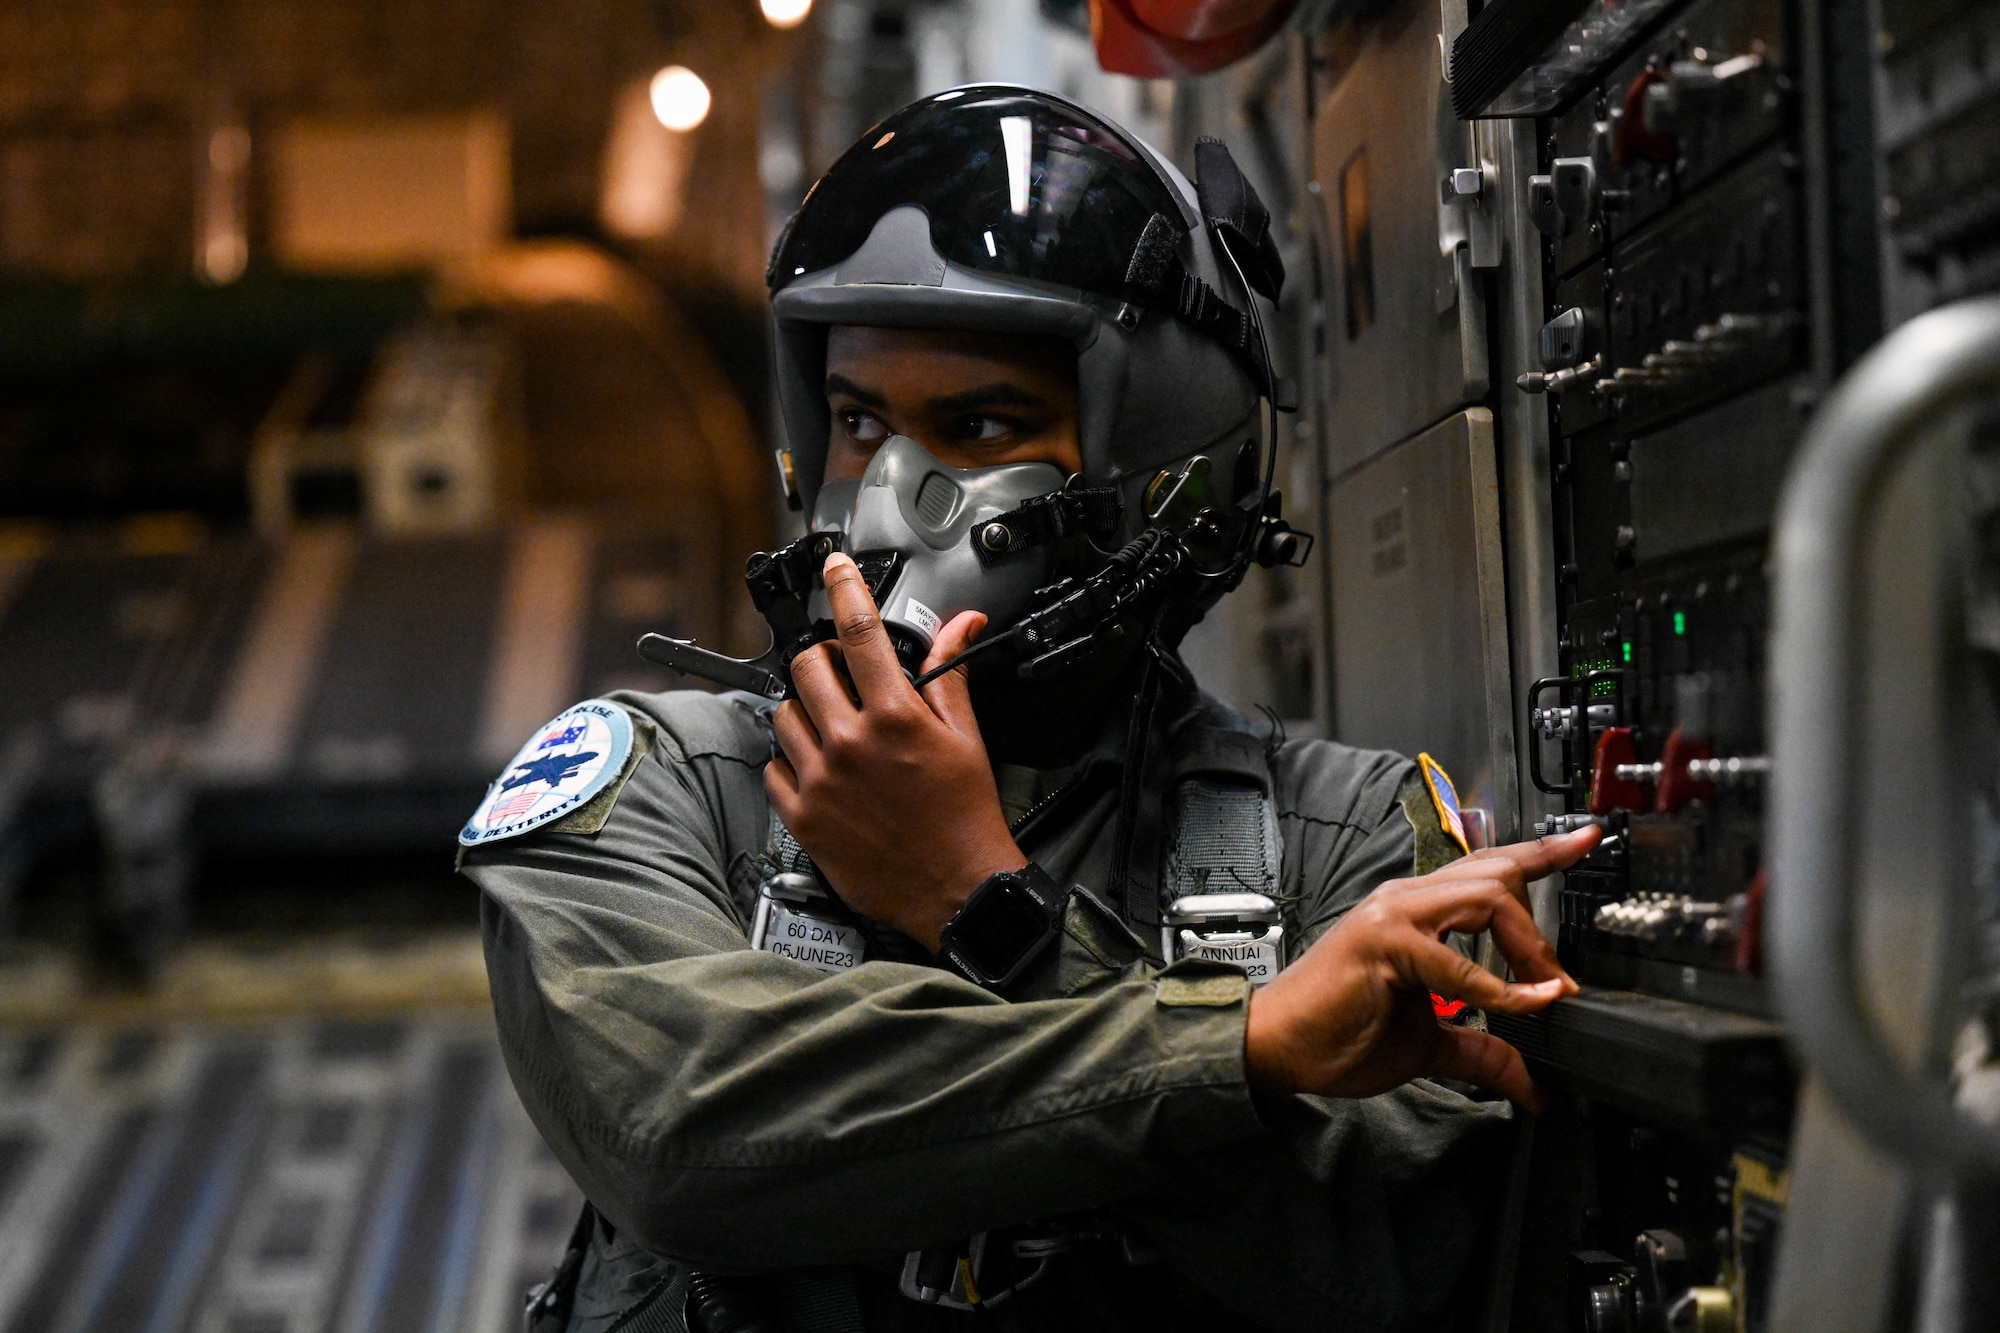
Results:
1343 829
735 1110
1351 820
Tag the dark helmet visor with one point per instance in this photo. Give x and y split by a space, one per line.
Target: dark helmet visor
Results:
1013 182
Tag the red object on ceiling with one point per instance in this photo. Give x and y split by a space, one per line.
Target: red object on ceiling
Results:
1160 39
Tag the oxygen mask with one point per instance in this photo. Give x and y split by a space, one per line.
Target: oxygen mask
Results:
912 525
930 540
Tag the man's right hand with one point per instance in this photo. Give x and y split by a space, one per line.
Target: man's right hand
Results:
1353 1016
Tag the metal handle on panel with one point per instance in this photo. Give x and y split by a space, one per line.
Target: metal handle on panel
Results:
1536 740
1581 714
1866 426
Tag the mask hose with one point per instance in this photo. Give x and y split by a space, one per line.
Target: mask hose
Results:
1079 612
957 660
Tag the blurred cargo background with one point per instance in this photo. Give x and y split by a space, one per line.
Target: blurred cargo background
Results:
372 374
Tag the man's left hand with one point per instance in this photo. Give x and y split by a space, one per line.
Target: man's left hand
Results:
1352 1016
888 790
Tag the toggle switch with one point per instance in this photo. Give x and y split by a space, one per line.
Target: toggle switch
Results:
1568 338
1734 770
1678 785
1574 181
1609 791
1559 724
1561 202
1672 104
1553 825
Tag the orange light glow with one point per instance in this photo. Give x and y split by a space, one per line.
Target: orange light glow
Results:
785 13
680 98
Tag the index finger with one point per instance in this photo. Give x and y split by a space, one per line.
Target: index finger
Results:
1515 865
1543 856
871 658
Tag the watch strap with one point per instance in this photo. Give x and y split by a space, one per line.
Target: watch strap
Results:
1037 881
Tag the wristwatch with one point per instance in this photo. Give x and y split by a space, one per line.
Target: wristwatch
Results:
1004 926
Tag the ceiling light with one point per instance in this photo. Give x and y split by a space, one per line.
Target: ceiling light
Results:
680 98
785 13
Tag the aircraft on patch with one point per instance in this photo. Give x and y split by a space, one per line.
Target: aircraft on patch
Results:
553 770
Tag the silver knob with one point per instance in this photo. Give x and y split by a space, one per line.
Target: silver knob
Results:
1736 768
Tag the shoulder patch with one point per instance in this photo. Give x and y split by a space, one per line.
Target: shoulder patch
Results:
1432 846
562 767
1444 798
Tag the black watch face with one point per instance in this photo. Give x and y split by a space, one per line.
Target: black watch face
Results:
1004 926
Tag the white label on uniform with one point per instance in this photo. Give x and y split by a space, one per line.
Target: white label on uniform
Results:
817 943
922 617
1258 958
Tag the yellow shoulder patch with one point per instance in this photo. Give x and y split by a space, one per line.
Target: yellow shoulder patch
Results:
1444 799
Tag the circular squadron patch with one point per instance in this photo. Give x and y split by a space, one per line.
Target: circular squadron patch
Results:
560 768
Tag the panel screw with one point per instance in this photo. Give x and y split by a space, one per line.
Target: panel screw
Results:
994 536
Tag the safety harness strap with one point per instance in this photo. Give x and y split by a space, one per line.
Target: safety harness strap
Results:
1216 821
785 852
1225 839
1135 863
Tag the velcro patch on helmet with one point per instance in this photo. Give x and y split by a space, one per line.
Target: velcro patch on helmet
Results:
1154 262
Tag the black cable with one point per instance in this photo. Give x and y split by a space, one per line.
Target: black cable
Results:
952 662
1127 561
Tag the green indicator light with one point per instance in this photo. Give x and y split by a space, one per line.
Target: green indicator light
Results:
1628 650
1680 622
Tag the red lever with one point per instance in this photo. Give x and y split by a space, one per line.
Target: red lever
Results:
1750 939
1633 139
1608 791
1676 787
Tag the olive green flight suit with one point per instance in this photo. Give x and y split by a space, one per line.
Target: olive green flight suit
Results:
731 1111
